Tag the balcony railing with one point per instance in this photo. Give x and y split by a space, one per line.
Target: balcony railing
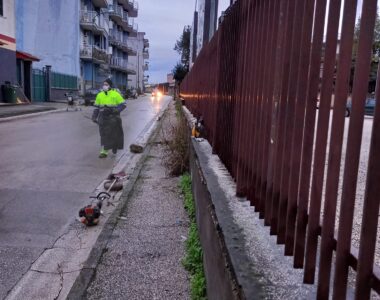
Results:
131 6
100 3
146 54
92 21
116 39
93 53
122 65
116 13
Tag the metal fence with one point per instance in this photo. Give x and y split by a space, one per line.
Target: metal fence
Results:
257 85
64 81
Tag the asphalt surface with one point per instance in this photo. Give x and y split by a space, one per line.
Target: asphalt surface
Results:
49 166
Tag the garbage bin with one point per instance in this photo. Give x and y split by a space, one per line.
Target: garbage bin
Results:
9 92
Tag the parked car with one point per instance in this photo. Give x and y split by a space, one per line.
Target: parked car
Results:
90 96
369 108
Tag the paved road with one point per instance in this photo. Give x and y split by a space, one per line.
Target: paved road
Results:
49 166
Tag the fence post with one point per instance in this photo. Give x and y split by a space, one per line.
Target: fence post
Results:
48 82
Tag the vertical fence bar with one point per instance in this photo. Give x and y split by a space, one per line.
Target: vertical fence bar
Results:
335 153
371 209
280 135
278 49
268 150
241 74
268 98
308 135
360 89
321 140
250 87
260 182
298 124
289 118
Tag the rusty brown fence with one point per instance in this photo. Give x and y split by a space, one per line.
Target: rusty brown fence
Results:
257 84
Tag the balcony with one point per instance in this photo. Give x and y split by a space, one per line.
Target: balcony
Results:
91 21
93 53
131 6
126 47
145 67
100 3
117 40
146 43
116 14
146 54
122 65
130 26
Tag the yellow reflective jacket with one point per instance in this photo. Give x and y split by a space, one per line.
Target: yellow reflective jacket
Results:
112 98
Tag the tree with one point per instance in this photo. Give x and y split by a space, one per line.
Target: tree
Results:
179 72
182 46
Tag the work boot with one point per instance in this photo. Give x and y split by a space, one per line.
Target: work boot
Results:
103 153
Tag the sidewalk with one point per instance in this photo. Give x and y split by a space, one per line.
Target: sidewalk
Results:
143 258
24 109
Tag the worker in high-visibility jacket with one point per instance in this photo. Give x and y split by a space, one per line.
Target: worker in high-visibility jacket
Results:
108 105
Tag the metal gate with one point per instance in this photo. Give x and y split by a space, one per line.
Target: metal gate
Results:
39 86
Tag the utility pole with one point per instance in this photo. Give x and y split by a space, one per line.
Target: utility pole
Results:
138 71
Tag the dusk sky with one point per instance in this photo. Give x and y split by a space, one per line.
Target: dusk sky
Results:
163 23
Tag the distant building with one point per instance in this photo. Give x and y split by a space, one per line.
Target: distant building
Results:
204 26
106 27
193 39
141 45
7 43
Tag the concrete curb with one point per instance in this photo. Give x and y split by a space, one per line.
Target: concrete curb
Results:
65 270
31 115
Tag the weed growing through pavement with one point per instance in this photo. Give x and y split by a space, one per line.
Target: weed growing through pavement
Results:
193 261
176 153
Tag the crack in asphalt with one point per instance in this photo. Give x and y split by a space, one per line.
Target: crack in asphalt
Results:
59 268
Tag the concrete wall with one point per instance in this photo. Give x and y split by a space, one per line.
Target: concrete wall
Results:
7 44
221 284
50 30
7 21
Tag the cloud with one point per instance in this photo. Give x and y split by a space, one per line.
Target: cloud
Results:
163 22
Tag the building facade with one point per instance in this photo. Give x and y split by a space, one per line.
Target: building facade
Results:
106 27
7 43
139 61
81 42
204 26
50 31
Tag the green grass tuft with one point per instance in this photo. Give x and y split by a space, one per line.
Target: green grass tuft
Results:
193 261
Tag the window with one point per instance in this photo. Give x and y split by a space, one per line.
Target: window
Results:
1 8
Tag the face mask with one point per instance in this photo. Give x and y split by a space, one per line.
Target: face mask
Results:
106 87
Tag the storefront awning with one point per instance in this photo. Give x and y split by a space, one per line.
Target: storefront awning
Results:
26 56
